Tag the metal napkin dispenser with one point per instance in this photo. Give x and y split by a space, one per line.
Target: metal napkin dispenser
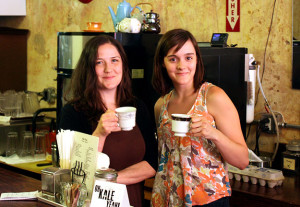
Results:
52 178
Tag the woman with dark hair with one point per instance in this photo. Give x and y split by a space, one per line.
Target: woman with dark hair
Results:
191 169
100 84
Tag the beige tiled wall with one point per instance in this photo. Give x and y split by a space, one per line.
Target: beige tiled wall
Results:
45 18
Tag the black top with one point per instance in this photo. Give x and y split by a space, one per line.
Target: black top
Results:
77 121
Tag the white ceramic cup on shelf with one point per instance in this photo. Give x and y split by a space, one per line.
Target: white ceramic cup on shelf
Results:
180 124
126 117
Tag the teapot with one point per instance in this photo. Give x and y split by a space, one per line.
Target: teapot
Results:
124 10
152 23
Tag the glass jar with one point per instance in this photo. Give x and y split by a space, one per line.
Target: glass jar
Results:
106 174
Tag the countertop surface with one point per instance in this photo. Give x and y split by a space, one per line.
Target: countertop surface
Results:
11 181
247 194
250 195
243 194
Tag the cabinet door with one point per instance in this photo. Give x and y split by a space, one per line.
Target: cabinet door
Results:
12 7
13 59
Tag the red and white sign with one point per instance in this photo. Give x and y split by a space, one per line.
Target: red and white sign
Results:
233 15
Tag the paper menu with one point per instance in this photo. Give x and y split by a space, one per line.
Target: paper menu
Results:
84 157
78 152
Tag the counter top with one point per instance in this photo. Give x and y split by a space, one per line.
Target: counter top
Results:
11 181
31 169
249 195
243 194
33 166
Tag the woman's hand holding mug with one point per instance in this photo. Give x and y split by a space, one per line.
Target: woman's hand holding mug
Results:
108 123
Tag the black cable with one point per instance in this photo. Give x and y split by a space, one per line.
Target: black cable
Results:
247 135
265 52
256 149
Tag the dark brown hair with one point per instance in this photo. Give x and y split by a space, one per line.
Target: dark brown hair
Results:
176 37
84 82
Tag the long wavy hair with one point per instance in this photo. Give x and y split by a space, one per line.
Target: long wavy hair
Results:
84 87
176 37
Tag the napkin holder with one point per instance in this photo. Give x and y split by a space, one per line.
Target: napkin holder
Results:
52 178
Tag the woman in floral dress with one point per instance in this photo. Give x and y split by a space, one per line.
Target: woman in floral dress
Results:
191 169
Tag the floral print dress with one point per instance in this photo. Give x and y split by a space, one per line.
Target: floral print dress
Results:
191 170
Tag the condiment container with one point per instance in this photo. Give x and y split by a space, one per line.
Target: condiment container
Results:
54 154
291 158
106 174
51 178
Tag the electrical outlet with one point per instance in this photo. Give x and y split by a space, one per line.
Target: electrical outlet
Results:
268 124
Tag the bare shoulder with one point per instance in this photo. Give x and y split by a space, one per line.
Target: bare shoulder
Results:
216 93
217 100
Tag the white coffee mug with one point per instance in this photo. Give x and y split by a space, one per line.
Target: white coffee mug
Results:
126 117
180 124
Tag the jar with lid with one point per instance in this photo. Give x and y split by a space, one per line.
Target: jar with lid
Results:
106 174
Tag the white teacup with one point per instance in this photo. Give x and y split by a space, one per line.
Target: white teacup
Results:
180 124
126 117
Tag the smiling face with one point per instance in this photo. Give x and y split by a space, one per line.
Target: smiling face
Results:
181 65
109 67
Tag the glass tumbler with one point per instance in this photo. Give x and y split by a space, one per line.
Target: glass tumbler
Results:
12 140
27 144
30 103
10 104
40 143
